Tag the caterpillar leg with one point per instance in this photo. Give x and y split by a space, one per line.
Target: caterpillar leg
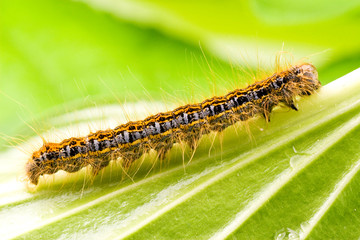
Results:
290 104
163 150
130 157
99 163
267 106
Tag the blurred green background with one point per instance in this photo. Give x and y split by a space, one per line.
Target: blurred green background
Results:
59 55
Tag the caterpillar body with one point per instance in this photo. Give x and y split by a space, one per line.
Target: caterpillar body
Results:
184 124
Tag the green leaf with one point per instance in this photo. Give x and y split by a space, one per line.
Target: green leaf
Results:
296 176
327 32
66 52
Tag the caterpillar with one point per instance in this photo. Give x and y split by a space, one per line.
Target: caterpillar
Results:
186 123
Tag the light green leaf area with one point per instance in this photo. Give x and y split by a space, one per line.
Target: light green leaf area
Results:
296 176
64 64
326 31
66 52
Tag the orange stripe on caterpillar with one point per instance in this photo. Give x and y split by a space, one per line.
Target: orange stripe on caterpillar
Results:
184 124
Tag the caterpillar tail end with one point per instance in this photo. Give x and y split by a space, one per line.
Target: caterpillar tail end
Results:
32 173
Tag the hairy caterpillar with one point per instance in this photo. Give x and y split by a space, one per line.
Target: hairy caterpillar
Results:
184 124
